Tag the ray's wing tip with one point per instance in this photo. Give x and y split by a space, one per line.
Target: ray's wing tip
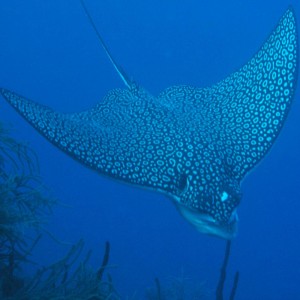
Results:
4 92
289 20
11 97
290 14
290 10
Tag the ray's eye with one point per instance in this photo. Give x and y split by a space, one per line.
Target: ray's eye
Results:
224 196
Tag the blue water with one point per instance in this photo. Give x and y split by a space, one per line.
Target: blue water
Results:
50 54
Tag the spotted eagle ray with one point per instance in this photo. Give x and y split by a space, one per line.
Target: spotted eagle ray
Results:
194 145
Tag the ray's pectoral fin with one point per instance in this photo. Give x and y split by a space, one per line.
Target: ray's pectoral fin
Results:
101 138
251 105
72 133
52 125
89 136
243 114
255 100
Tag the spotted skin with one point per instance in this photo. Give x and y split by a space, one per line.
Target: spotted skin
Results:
193 144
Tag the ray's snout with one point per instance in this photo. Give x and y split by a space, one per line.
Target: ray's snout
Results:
205 223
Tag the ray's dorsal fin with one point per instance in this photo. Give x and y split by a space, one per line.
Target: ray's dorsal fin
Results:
119 70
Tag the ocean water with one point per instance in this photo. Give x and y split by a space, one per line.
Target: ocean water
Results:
50 53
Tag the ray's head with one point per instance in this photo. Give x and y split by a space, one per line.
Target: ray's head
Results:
214 210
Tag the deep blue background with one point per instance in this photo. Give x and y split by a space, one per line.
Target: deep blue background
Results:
49 53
